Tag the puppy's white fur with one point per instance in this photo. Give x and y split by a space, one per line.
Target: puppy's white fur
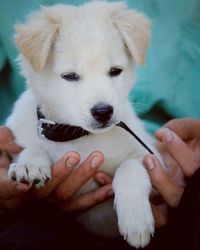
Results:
88 40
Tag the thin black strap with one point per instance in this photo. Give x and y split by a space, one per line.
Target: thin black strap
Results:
124 126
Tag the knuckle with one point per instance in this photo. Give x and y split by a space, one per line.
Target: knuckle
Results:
175 198
61 195
59 173
99 196
75 205
159 179
86 172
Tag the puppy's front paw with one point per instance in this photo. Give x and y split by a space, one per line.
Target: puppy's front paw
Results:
136 224
29 173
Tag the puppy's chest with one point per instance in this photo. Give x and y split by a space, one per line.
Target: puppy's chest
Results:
116 145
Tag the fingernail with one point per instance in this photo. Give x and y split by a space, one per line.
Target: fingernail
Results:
71 162
95 162
110 193
101 181
149 164
167 135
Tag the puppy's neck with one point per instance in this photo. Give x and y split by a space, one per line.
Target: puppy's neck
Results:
49 111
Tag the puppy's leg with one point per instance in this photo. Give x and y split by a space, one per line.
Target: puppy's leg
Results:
33 166
132 187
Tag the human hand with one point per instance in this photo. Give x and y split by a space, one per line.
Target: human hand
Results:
68 177
181 138
187 143
7 141
11 193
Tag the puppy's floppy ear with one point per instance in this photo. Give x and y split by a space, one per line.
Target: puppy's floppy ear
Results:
36 37
134 28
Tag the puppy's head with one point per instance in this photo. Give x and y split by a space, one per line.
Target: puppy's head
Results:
79 61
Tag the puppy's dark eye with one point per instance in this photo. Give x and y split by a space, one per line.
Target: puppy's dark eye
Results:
72 76
115 71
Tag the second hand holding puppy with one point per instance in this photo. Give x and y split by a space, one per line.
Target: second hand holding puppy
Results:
181 138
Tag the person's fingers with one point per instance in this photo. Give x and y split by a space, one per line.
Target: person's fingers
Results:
13 203
179 150
79 176
169 190
13 148
7 141
60 171
10 189
86 201
102 178
4 159
186 128
159 215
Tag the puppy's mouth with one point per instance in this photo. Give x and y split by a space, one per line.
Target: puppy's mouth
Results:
100 127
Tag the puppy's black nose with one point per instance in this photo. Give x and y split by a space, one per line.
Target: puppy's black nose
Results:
102 112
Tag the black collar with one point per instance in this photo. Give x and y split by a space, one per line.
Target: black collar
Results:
57 131
65 132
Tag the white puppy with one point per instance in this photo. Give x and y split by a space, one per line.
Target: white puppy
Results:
79 66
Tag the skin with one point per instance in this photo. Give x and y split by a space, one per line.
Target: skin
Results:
66 179
181 138
11 193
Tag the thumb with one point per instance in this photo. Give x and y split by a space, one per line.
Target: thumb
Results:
169 189
7 141
13 148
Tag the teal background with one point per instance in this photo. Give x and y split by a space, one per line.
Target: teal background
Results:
167 86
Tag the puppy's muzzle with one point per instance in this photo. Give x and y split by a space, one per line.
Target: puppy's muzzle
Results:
102 112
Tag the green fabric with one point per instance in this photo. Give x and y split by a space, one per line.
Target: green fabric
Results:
167 86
